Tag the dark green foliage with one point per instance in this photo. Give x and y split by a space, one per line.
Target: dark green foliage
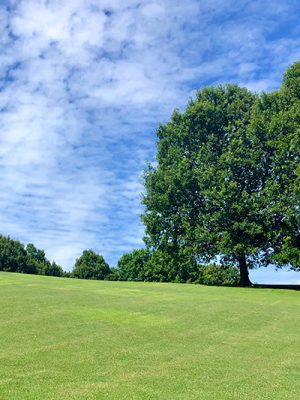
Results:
114 275
151 266
157 266
37 258
14 257
43 266
36 254
227 179
144 265
219 275
54 269
132 265
160 268
90 266
291 81
276 120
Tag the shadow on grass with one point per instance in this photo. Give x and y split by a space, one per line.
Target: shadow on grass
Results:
273 286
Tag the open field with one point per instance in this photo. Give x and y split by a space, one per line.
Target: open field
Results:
74 339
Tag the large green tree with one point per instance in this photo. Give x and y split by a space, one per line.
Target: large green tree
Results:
277 119
218 167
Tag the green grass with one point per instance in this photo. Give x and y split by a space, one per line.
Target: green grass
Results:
74 339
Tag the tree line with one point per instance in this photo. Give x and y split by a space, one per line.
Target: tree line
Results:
15 257
139 265
225 187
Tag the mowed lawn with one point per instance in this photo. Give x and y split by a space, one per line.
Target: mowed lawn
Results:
75 339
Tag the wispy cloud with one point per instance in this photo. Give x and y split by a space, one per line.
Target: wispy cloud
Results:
83 85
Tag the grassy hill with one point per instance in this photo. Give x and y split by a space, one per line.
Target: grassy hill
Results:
74 339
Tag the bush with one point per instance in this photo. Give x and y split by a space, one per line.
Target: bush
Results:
219 275
114 275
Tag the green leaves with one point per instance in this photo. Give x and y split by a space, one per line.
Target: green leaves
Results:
227 179
14 257
90 266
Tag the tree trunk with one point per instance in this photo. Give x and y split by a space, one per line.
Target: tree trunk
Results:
244 273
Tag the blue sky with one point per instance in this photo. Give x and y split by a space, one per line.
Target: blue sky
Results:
85 83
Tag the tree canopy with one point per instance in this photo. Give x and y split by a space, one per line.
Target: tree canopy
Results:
15 257
90 265
226 183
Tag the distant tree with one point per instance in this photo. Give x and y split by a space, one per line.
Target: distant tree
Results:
67 274
227 179
90 266
53 269
14 258
43 266
37 254
36 258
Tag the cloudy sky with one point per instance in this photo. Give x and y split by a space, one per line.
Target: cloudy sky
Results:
85 83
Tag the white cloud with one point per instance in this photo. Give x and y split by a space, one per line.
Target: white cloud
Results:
84 83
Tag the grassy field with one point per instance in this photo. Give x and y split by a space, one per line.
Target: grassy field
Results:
74 339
